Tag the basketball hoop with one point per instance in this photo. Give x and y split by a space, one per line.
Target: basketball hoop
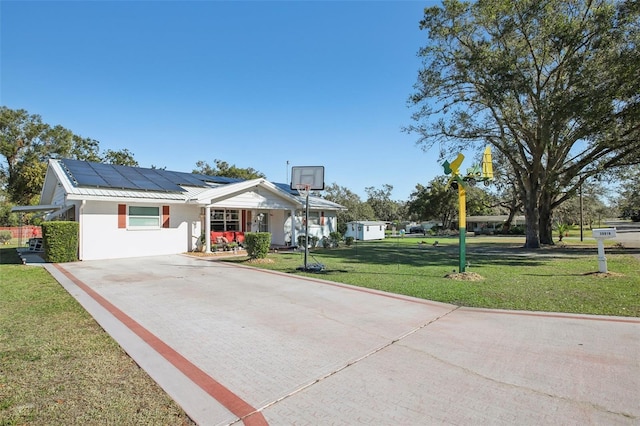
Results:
305 179
303 189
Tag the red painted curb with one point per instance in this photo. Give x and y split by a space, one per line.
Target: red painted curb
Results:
236 405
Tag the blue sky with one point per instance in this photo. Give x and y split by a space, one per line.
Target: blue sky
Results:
255 84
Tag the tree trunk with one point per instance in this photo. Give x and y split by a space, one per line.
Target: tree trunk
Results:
532 215
546 225
513 209
532 220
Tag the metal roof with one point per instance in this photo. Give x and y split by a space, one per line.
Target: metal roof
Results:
86 180
110 176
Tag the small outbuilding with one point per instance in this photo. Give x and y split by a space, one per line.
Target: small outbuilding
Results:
366 230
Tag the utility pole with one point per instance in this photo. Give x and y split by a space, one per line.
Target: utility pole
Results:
287 181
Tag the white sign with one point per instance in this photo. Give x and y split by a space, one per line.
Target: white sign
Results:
604 233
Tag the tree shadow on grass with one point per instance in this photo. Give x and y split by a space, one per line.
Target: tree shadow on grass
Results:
417 257
9 256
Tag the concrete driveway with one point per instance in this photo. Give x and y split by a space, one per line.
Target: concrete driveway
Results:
236 345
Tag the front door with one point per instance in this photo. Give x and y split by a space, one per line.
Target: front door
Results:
263 221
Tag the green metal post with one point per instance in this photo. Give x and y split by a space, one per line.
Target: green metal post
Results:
462 226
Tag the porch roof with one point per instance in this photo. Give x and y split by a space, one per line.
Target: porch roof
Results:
224 192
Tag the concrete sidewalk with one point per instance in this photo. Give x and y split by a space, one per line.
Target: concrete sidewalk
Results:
237 345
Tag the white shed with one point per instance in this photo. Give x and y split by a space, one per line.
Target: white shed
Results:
366 230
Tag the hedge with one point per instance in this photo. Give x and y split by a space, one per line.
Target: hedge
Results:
60 240
257 244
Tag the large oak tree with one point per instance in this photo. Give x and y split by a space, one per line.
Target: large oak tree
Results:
553 85
27 143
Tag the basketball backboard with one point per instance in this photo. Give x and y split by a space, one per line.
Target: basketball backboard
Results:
308 175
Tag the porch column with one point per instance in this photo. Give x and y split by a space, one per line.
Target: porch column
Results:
207 228
294 237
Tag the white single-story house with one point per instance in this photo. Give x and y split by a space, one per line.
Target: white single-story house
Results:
490 224
133 211
366 230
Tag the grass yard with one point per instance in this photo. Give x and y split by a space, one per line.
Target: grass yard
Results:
555 279
57 366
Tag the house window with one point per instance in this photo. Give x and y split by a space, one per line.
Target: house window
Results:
314 218
225 220
144 217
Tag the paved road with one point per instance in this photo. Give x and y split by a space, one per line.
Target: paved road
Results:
236 345
627 233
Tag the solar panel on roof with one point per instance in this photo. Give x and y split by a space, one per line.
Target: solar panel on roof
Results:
115 179
123 177
160 178
135 175
184 178
89 179
220 179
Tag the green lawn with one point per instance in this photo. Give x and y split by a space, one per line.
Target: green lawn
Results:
57 366
556 279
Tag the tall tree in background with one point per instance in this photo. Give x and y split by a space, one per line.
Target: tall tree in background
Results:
383 206
123 157
551 84
507 195
26 143
593 208
434 201
356 208
628 202
437 201
222 168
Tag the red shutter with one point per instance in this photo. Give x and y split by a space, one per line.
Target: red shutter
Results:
122 215
165 216
322 218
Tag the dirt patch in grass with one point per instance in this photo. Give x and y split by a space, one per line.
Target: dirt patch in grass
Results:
217 253
604 274
465 276
260 261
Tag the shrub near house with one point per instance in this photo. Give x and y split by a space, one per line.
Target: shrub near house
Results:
258 244
5 237
60 241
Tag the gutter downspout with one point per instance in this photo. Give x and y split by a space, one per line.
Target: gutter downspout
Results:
81 226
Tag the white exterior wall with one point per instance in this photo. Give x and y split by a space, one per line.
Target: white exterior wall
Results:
100 237
364 231
276 226
59 196
319 231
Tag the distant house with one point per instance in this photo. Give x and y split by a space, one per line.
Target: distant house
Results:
491 224
366 230
133 211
